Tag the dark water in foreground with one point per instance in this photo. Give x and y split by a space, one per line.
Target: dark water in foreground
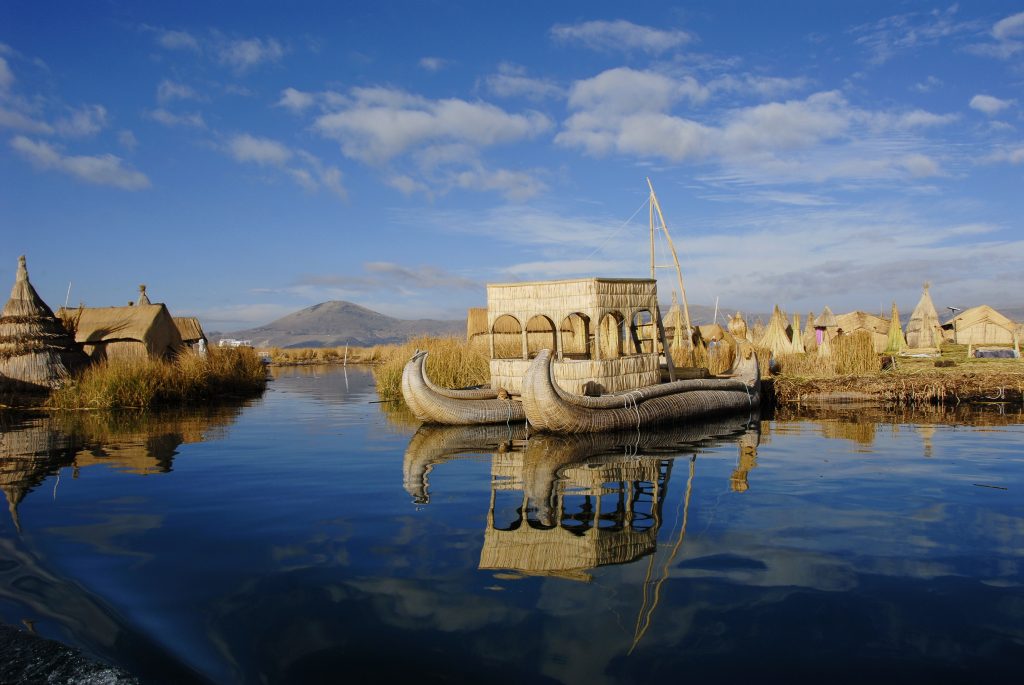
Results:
307 538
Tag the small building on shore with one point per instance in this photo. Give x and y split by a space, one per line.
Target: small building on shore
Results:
863 321
138 330
981 325
191 332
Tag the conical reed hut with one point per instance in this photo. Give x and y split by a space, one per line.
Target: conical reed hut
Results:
923 331
775 337
825 326
36 351
798 340
895 342
809 339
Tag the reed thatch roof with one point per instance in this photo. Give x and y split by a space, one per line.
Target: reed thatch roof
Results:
826 319
189 328
36 351
864 321
146 329
923 331
981 325
775 337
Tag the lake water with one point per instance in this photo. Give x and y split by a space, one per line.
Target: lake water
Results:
311 537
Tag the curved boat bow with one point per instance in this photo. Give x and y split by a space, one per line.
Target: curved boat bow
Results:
433 404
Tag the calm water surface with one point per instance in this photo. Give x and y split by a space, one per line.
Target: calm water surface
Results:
310 537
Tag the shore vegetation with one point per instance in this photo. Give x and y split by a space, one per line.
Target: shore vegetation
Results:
143 382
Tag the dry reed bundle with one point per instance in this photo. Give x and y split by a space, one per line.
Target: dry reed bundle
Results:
923 327
895 343
798 339
775 338
738 327
810 338
855 354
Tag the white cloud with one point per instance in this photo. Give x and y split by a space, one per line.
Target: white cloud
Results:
1009 28
19 121
127 140
513 185
6 76
302 167
107 170
296 100
512 81
920 166
383 123
433 63
621 35
168 91
406 184
989 105
928 85
247 148
1010 155
163 116
623 90
787 125
892 35
177 40
87 120
920 118
242 55
762 86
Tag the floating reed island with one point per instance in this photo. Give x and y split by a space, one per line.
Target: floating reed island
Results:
136 356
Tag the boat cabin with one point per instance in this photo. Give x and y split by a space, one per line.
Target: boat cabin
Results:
602 332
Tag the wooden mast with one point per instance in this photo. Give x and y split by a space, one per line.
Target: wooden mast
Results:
656 207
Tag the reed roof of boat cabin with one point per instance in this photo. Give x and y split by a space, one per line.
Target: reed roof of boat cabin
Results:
249 161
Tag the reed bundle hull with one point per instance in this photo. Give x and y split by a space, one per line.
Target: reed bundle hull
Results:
550 408
432 404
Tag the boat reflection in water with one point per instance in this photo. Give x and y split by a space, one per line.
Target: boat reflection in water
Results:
561 505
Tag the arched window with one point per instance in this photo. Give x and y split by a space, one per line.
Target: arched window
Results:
507 336
576 336
610 335
540 334
642 333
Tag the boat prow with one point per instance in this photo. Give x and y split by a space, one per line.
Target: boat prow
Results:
433 404
550 408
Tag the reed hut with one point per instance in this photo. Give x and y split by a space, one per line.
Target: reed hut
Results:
476 323
863 321
895 342
775 337
981 325
809 338
923 329
36 351
191 332
825 326
137 331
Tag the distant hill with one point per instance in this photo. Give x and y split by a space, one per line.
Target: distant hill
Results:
338 323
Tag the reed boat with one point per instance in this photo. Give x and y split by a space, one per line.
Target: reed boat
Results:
462 407
549 407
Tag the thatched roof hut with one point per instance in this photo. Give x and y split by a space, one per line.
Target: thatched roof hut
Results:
826 319
923 330
863 321
895 342
36 352
145 330
775 337
189 329
981 325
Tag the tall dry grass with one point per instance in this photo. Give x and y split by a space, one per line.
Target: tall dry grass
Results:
851 355
144 382
327 355
452 363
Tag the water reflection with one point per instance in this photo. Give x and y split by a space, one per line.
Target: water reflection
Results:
32 448
561 505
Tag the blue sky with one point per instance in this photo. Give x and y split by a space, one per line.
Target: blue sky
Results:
245 160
